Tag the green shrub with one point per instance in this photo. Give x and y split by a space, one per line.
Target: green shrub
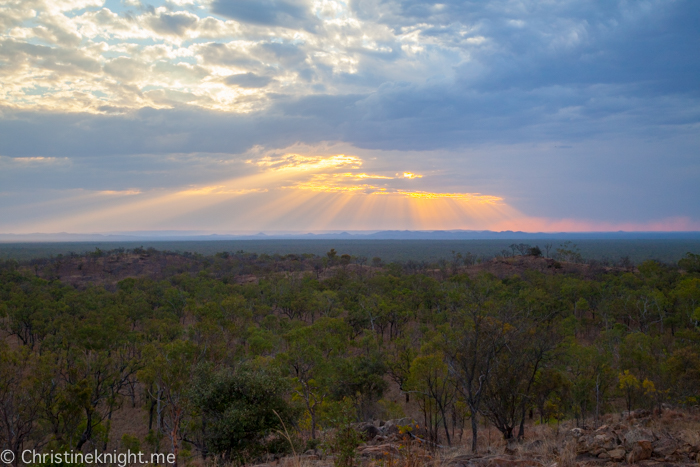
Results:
345 439
242 410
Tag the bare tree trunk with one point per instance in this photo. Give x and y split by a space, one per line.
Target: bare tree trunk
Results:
474 432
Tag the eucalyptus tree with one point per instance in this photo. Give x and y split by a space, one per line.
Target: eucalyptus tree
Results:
477 333
311 359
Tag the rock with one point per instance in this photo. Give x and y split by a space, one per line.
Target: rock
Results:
640 452
392 426
617 455
604 440
635 435
597 451
604 455
511 448
368 430
641 413
664 448
493 461
378 452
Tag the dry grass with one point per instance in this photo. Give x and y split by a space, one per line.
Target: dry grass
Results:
301 461
567 455
682 425
546 444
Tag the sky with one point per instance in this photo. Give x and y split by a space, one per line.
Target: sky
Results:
314 115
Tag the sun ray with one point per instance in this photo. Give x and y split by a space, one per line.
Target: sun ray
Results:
291 191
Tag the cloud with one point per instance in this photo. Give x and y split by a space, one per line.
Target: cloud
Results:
175 24
477 97
248 80
281 13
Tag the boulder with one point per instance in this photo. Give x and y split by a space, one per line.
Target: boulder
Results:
368 430
664 448
640 452
378 452
597 451
493 461
617 454
605 441
632 437
392 426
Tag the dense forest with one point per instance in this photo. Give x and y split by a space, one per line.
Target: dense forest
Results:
638 250
238 356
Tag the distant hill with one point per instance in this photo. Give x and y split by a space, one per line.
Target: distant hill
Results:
352 235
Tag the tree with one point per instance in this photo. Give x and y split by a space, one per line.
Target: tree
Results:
431 381
474 339
240 410
548 385
399 357
535 251
345 439
167 374
547 249
332 256
19 401
508 392
569 252
590 377
629 384
691 262
311 357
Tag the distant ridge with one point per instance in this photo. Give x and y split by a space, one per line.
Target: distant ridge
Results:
354 235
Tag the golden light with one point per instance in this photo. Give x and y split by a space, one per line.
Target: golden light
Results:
292 192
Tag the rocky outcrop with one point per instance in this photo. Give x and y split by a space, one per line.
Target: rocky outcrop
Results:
492 461
634 444
641 451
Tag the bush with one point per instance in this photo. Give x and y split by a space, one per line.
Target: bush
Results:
241 411
345 440
535 251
